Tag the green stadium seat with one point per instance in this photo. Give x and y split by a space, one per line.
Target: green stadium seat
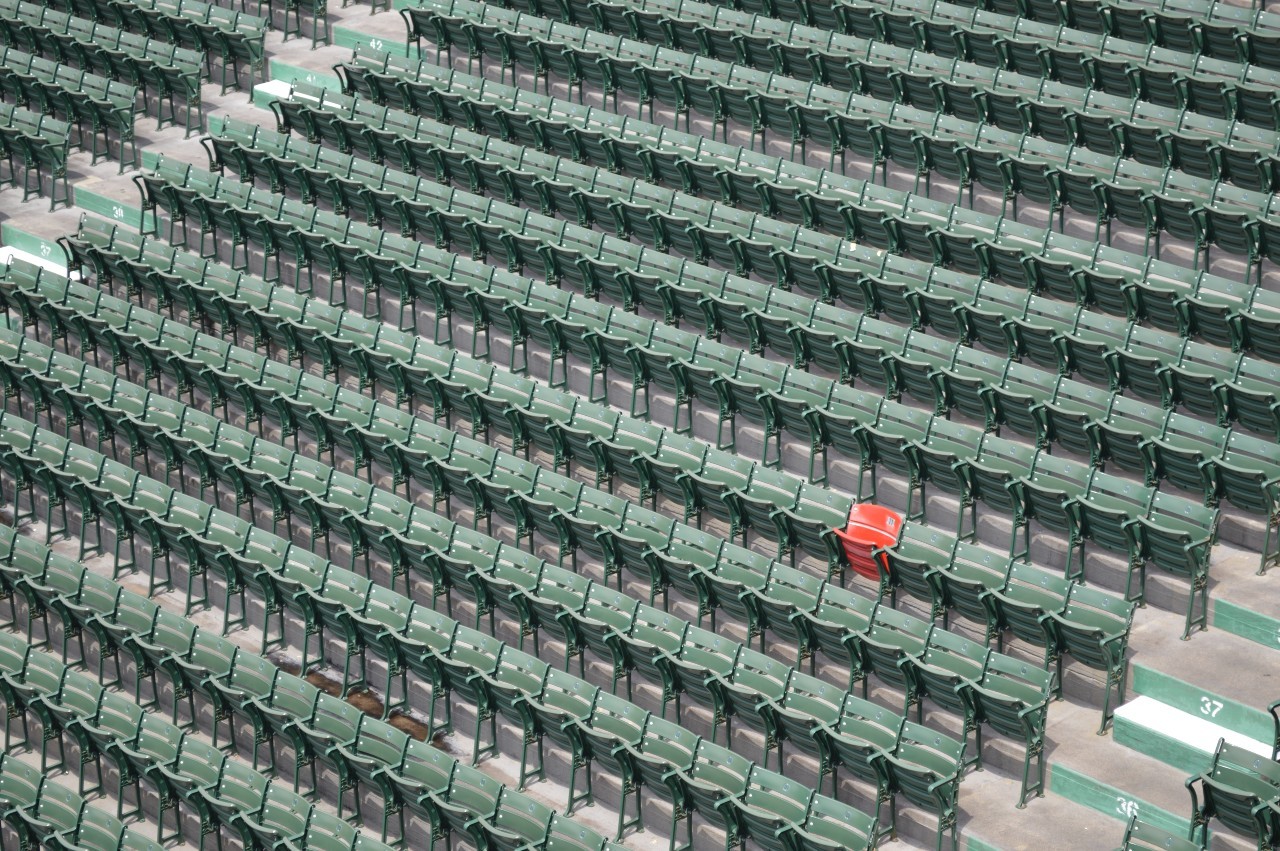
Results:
1240 790
615 733
926 768
1141 836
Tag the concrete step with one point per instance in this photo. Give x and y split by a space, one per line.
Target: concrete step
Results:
1204 700
1189 675
1185 741
1100 774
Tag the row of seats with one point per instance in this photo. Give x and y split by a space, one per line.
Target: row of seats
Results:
1049 611
1174 532
1186 25
1203 146
1007 319
652 459
221 790
234 38
1176 299
908 653
741 798
43 812
998 391
822 266
1229 74
42 144
95 104
1155 199
168 70
452 795
1241 790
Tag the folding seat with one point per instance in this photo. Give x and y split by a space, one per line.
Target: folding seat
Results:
30 687
468 667
865 734
972 577
948 671
706 372
1071 419
469 802
79 700
752 693
656 638
187 769
125 626
1180 452
977 392
566 835
942 459
1094 629
812 520
1176 535
784 604
996 469
1140 836
894 429
1052 496
718 777
666 755
1244 168
1026 603
1249 482
604 623
772 808
331 732
562 709
702 668
1238 232
115 729
21 787
423 780
546 507
1013 698
377 755
614 733
519 822
926 768
239 799
1239 789
1253 404
170 639
56 813
806 717
209 661
917 563
890 647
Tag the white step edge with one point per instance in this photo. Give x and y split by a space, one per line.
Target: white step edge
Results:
1195 731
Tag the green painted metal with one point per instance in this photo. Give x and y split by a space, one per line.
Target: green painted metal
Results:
32 244
296 74
1157 745
1238 717
1107 799
1247 623
116 211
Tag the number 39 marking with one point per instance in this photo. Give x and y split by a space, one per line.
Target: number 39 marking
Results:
1126 807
